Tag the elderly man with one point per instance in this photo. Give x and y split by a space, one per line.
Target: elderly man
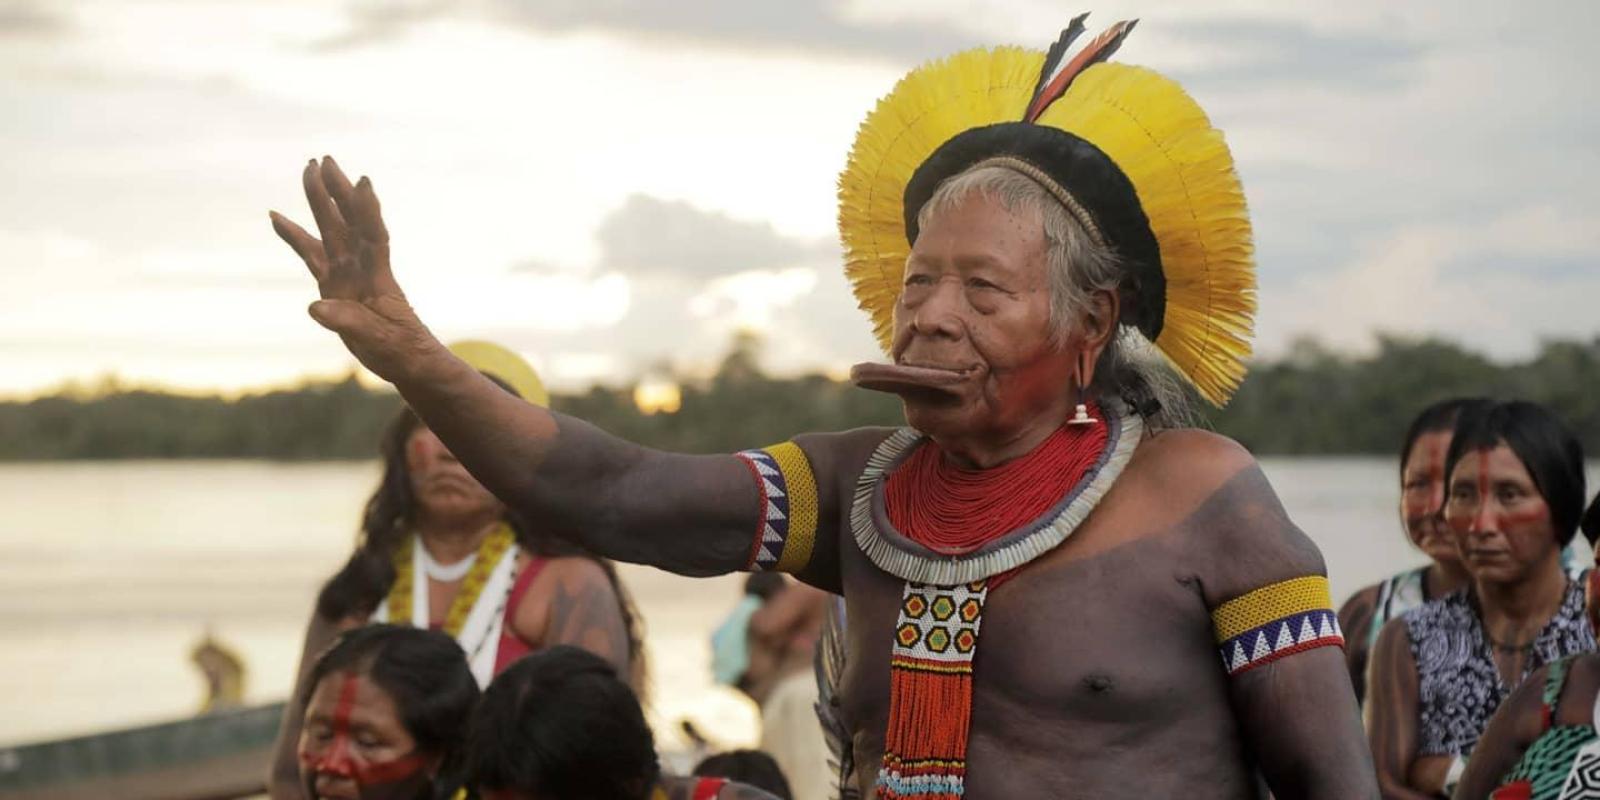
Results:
1022 226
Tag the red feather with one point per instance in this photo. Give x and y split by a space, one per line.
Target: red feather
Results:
1096 51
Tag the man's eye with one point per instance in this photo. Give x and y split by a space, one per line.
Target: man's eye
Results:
918 280
979 283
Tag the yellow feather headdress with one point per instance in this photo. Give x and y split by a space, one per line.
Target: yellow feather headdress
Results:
1125 144
504 366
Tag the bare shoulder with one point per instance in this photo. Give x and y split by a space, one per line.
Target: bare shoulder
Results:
574 571
1235 531
836 460
829 453
1191 449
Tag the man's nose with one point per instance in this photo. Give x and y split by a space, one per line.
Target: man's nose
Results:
939 313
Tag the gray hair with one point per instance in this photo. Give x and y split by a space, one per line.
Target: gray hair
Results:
1077 267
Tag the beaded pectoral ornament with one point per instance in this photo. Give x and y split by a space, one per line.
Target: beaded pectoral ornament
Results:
948 579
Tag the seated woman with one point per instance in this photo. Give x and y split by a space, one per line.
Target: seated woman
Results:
1515 490
560 725
1544 742
439 551
386 713
1421 499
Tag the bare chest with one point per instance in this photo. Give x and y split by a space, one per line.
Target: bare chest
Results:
1081 650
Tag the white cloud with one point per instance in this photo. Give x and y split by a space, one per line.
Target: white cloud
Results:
145 141
1470 283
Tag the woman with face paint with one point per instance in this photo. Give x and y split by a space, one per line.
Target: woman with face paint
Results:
1544 742
386 713
1515 490
1421 500
440 551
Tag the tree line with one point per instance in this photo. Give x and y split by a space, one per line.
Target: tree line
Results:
1312 401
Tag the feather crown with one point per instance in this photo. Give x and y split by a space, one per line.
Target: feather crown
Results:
1125 149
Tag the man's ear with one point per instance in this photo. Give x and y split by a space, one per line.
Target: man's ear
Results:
1095 330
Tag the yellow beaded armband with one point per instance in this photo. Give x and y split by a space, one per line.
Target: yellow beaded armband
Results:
1275 621
786 527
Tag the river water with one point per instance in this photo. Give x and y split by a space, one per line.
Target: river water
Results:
111 572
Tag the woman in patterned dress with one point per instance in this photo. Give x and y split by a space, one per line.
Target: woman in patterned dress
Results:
1544 742
1514 494
1421 498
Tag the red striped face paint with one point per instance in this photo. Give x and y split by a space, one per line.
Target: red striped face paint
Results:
1480 520
340 760
335 758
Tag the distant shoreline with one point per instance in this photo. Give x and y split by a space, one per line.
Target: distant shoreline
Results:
1311 402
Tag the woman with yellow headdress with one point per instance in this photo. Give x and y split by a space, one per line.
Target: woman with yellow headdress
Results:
1049 246
439 551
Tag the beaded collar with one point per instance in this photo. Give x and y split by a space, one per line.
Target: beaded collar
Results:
892 552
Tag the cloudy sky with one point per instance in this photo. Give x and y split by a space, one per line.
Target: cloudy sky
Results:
613 186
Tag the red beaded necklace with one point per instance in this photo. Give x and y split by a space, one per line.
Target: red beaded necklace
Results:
954 511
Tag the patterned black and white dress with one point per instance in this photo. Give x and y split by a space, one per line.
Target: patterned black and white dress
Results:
1459 687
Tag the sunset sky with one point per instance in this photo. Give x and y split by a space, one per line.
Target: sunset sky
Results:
612 186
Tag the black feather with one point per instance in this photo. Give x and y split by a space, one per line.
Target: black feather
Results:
1053 56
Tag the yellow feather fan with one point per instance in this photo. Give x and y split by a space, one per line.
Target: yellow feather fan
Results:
1179 166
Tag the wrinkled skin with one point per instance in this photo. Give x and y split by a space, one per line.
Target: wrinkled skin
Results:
1098 675
976 363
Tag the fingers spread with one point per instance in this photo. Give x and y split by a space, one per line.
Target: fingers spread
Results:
338 186
335 234
304 245
368 215
374 239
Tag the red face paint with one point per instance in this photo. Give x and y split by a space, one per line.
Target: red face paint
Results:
340 760
336 759
1480 522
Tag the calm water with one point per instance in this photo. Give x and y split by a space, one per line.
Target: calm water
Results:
111 572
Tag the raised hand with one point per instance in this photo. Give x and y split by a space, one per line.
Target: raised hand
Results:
360 299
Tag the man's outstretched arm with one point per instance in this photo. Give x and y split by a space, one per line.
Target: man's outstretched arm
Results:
690 514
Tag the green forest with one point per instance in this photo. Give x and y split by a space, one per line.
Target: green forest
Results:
1312 401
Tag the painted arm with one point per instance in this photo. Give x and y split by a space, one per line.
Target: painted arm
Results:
1512 729
1392 724
1264 578
578 606
694 515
